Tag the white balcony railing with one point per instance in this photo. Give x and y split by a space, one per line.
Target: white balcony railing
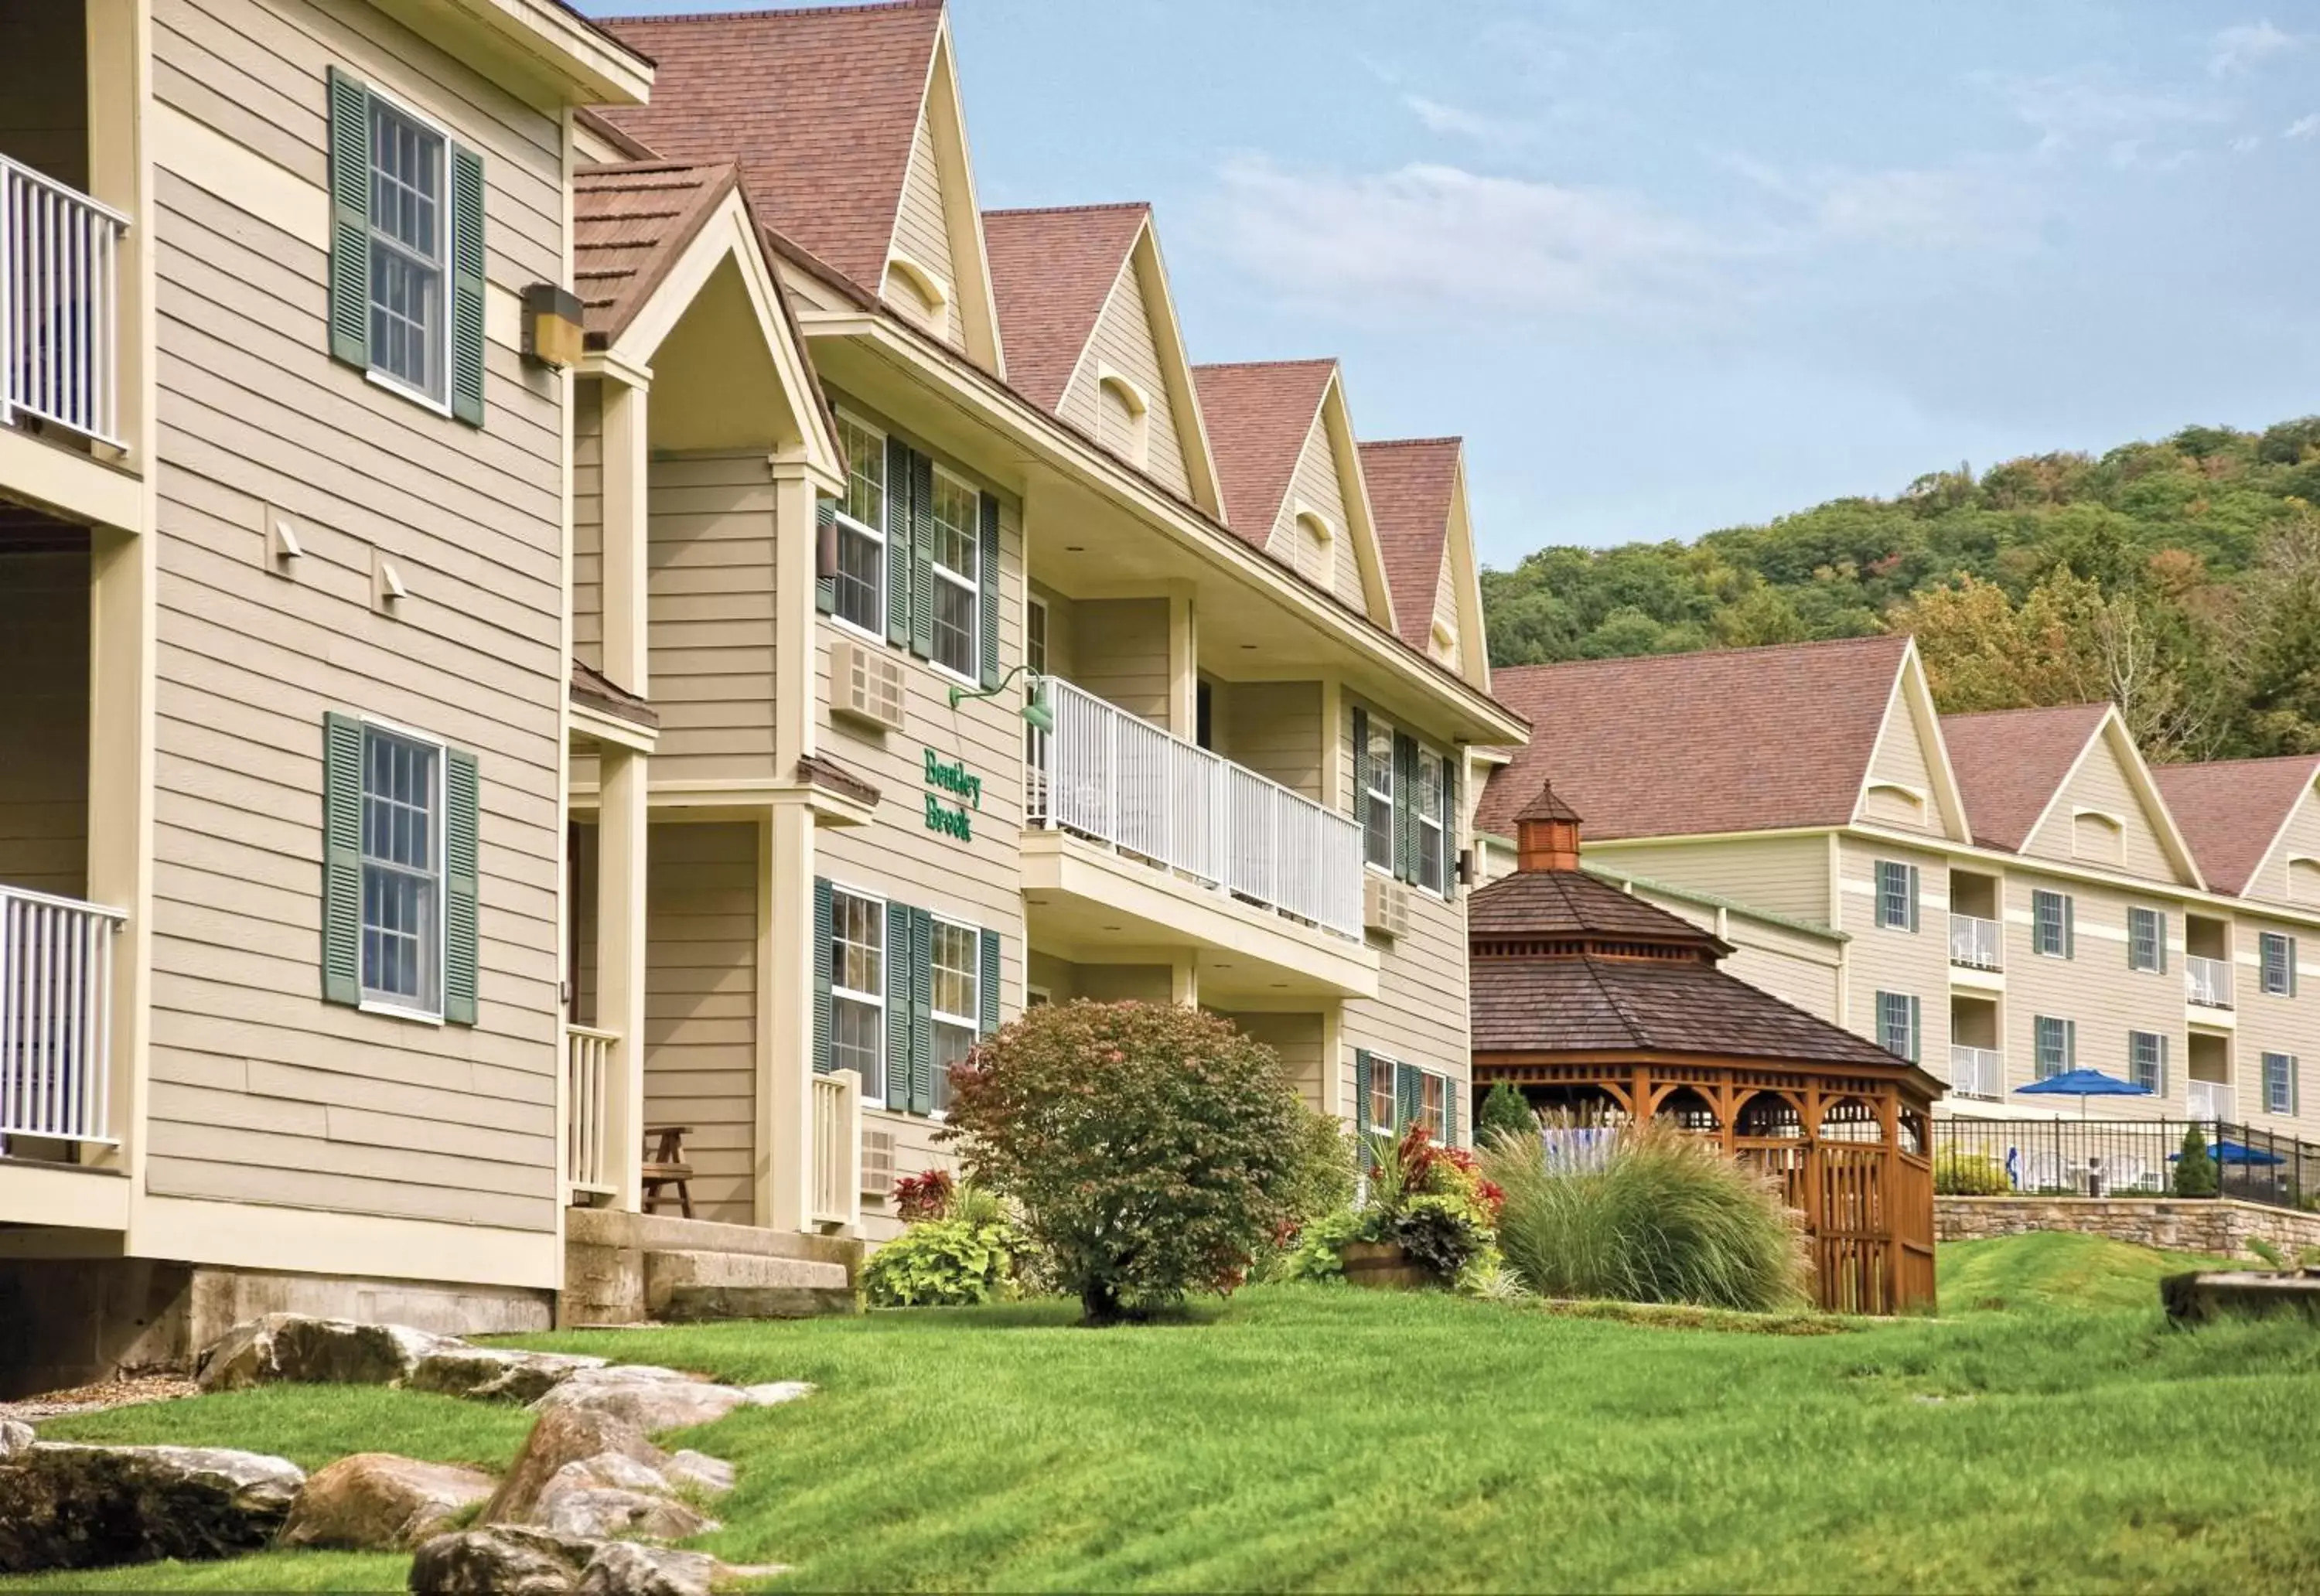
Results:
1975 943
1108 775
56 1016
60 328
590 1059
1978 1072
837 1133
2208 982
2211 1099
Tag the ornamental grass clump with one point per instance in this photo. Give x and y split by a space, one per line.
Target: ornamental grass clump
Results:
1665 1218
1151 1149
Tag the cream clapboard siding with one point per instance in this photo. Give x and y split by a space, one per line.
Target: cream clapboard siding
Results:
1063 981
1123 342
1273 727
588 523
1062 657
1794 965
922 233
712 617
2290 873
897 857
43 91
44 776
1297 1038
1901 762
1786 875
701 1005
261 1092
1446 618
2100 785
2270 1022
1421 1014
1886 958
1119 653
1314 486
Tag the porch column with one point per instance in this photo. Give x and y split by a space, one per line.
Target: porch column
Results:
622 837
627 533
782 1159
797 631
1183 665
1184 979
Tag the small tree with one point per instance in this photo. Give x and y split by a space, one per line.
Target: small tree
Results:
1153 1148
2194 1168
1504 1112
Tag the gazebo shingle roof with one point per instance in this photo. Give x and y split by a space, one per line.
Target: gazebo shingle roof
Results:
1596 1005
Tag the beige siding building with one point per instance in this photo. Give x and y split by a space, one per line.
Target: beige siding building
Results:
2001 896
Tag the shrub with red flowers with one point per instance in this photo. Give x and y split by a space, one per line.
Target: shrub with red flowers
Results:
923 1196
1152 1148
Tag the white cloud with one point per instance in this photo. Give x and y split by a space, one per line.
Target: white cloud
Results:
2303 127
2092 109
2247 142
1973 204
1456 121
2243 46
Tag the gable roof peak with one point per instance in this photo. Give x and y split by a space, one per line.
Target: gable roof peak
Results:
2010 763
2233 812
1101 207
1052 272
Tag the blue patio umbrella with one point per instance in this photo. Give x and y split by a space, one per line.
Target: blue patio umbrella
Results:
2083 1084
2236 1152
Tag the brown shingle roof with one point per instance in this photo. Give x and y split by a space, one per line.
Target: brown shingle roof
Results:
598 691
1259 415
820 107
2231 811
1051 271
1596 1005
2009 763
1564 904
1409 482
1739 739
629 223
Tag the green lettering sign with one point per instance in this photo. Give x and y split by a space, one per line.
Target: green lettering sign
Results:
953 778
949 820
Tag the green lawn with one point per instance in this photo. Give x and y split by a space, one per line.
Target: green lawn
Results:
1341 1440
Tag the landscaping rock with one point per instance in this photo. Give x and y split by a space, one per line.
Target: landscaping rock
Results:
653 1400
292 1347
375 1501
503 1560
14 1437
607 1512
623 1568
493 1374
699 1471
86 1507
565 1436
779 1391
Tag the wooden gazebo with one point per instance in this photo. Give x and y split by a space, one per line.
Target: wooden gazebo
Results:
1591 1001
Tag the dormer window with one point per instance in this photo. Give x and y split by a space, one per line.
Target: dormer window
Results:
1123 417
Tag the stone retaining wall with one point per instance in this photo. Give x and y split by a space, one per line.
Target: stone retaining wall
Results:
2221 1227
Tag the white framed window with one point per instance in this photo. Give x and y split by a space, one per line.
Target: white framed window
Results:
1897 895
1433 1104
957 566
410 252
1897 1024
1426 806
857 989
2276 964
402 870
2055 1044
862 530
2146 940
2052 930
2279 1083
2146 1059
1383 1108
954 957
1377 800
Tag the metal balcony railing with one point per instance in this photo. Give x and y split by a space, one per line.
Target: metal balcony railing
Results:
1106 774
2208 982
56 1016
1975 943
2210 1099
59 324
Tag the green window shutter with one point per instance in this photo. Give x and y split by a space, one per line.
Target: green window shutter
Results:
2163 943
2290 943
2163 1067
1362 1067
921 1097
2069 928
1449 828
1405 820
987 572
2069 1044
466 285
899 541
824 933
461 867
1917 1018
825 530
922 556
986 984
342 745
894 1084
1913 899
1449 1111
1361 762
349 176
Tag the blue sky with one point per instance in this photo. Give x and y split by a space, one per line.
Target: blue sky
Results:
1671 265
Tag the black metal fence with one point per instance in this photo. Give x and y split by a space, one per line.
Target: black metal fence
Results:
2123 1158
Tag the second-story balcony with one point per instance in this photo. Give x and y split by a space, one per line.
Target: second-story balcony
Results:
1252 866
2209 1100
1977 943
1978 1072
59 316
2208 982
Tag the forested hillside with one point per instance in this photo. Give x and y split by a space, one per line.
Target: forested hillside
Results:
2180 578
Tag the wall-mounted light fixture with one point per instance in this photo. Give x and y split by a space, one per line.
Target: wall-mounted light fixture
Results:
552 333
1038 710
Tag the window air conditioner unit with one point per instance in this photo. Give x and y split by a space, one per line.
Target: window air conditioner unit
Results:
877 1163
1385 907
865 684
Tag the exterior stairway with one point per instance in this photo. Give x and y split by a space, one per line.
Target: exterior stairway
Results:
628 1268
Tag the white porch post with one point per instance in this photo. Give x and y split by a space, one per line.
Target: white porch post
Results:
621 844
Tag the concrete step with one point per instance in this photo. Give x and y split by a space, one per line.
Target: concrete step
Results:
692 1304
667 1232
667 1273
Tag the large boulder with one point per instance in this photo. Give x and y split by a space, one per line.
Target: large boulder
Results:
623 1568
657 1400
582 1501
565 1436
15 1436
375 1501
496 1373
292 1347
86 1507
500 1560
697 1471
